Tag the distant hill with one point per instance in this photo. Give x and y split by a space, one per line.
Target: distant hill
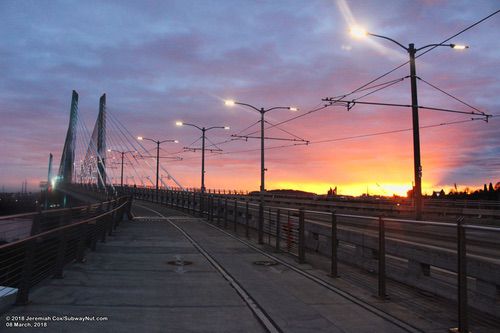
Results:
282 192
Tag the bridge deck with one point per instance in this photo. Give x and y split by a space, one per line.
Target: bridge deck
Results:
129 280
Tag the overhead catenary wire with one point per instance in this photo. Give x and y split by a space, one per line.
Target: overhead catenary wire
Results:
460 32
140 145
449 95
348 137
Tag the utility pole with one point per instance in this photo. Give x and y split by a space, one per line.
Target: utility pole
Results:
417 167
158 143
411 50
262 112
203 137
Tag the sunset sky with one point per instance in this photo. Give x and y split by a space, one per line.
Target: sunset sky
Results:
163 61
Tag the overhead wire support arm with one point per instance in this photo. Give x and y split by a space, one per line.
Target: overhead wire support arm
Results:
270 138
198 149
449 95
350 104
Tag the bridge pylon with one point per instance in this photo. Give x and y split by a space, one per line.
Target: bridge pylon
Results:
68 156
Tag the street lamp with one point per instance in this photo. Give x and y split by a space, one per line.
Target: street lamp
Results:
360 32
122 155
203 131
262 112
158 143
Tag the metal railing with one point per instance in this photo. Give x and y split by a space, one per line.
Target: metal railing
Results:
26 262
293 231
19 226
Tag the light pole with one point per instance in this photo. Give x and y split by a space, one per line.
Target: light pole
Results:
417 167
203 136
262 112
158 143
122 155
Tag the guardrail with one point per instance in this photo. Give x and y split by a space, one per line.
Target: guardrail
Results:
19 226
388 246
25 263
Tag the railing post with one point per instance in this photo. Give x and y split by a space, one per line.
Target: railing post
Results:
36 223
334 248
61 254
302 238
128 210
225 213
269 218
211 208
93 235
235 215
25 283
82 241
261 224
101 225
381 259
278 229
219 203
110 221
247 220
463 324
202 204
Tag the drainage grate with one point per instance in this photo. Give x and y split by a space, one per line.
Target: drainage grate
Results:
265 263
179 262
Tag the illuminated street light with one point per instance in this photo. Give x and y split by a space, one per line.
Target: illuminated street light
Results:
158 142
358 32
262 112
459 47
411 50
203 131
122 154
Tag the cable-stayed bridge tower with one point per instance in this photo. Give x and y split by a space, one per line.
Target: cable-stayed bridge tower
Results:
68 156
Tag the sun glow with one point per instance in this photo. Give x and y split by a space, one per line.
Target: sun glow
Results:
352 189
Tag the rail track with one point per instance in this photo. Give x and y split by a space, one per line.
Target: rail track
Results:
259 311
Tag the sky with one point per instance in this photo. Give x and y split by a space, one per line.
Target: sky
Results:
163 61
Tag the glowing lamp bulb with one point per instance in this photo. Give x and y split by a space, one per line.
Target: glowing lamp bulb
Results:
179 123
140 138
229 102
358 32
459 46
227 127
293 109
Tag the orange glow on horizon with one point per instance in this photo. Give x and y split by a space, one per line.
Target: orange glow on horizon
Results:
352 189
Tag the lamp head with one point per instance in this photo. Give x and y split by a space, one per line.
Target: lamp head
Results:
291 108
176 141
358 31
140 138
459 46
227 127
109 150
179 123
229 102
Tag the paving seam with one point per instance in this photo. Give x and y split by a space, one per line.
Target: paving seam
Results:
258 311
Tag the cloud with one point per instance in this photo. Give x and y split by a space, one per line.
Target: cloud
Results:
159 62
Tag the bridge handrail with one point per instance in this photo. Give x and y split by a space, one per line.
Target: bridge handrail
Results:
62 228
25 263
47 211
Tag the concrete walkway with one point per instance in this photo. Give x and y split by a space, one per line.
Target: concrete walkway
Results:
128 285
